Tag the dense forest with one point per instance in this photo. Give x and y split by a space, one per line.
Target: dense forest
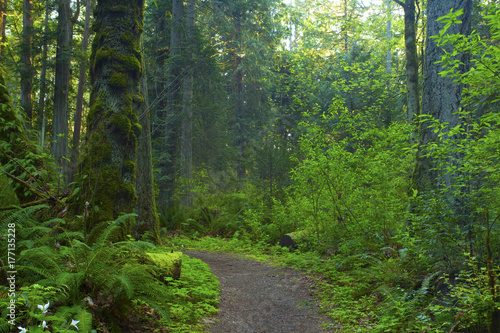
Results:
366 131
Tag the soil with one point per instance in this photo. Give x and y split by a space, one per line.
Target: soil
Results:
259 298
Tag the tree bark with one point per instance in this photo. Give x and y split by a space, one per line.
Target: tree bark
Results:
3 27
238 95
441 97
43 75
59 145
412 90
75 153
109 158
147 215
187 110
168 169
26 69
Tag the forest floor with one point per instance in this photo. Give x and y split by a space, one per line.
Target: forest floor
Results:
260 298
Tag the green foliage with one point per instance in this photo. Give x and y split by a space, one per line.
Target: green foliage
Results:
194 296
100 278
346 185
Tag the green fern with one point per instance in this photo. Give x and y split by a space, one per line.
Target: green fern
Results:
109 276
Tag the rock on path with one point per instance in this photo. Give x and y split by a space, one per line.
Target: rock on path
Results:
259 298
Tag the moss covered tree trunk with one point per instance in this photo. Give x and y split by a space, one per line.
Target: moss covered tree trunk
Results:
109 158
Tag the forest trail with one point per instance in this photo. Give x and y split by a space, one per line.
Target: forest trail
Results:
259 298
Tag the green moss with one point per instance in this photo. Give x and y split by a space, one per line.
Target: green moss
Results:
96 108
118 80
118 9
122 62
169 264
121 122
138 98
136 127
129 166
128 191
132 64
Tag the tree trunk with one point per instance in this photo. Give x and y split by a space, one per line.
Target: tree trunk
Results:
27 70
109 158
147 215
43 74
79 97
3 27
168 168
238 95
187 111
59 146
441 96
412 97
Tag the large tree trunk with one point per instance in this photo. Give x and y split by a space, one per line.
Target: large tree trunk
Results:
168 169
187 111
59 146
109 158
147 215
79 97
26 69
441 96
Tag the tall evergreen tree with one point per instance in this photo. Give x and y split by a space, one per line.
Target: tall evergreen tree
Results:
109 159
59 146
75 152
27 70
171 130
187 107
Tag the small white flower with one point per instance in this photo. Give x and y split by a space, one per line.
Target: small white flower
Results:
44 307
74 322
22 329
44 324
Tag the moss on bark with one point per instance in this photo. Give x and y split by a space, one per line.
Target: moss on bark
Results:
108 166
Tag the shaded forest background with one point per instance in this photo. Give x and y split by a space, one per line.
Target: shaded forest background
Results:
368 131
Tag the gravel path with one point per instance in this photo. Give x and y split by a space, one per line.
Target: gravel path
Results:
259 298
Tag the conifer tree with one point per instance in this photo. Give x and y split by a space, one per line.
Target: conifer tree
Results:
109 159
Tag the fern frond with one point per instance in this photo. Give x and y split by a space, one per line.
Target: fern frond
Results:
124 286
42 257
158 308
70 281
85 321
22 216
114 225
69 236
138 245
78 313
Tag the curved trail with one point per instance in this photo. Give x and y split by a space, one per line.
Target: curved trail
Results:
259 298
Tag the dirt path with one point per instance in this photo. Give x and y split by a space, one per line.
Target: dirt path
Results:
258 298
